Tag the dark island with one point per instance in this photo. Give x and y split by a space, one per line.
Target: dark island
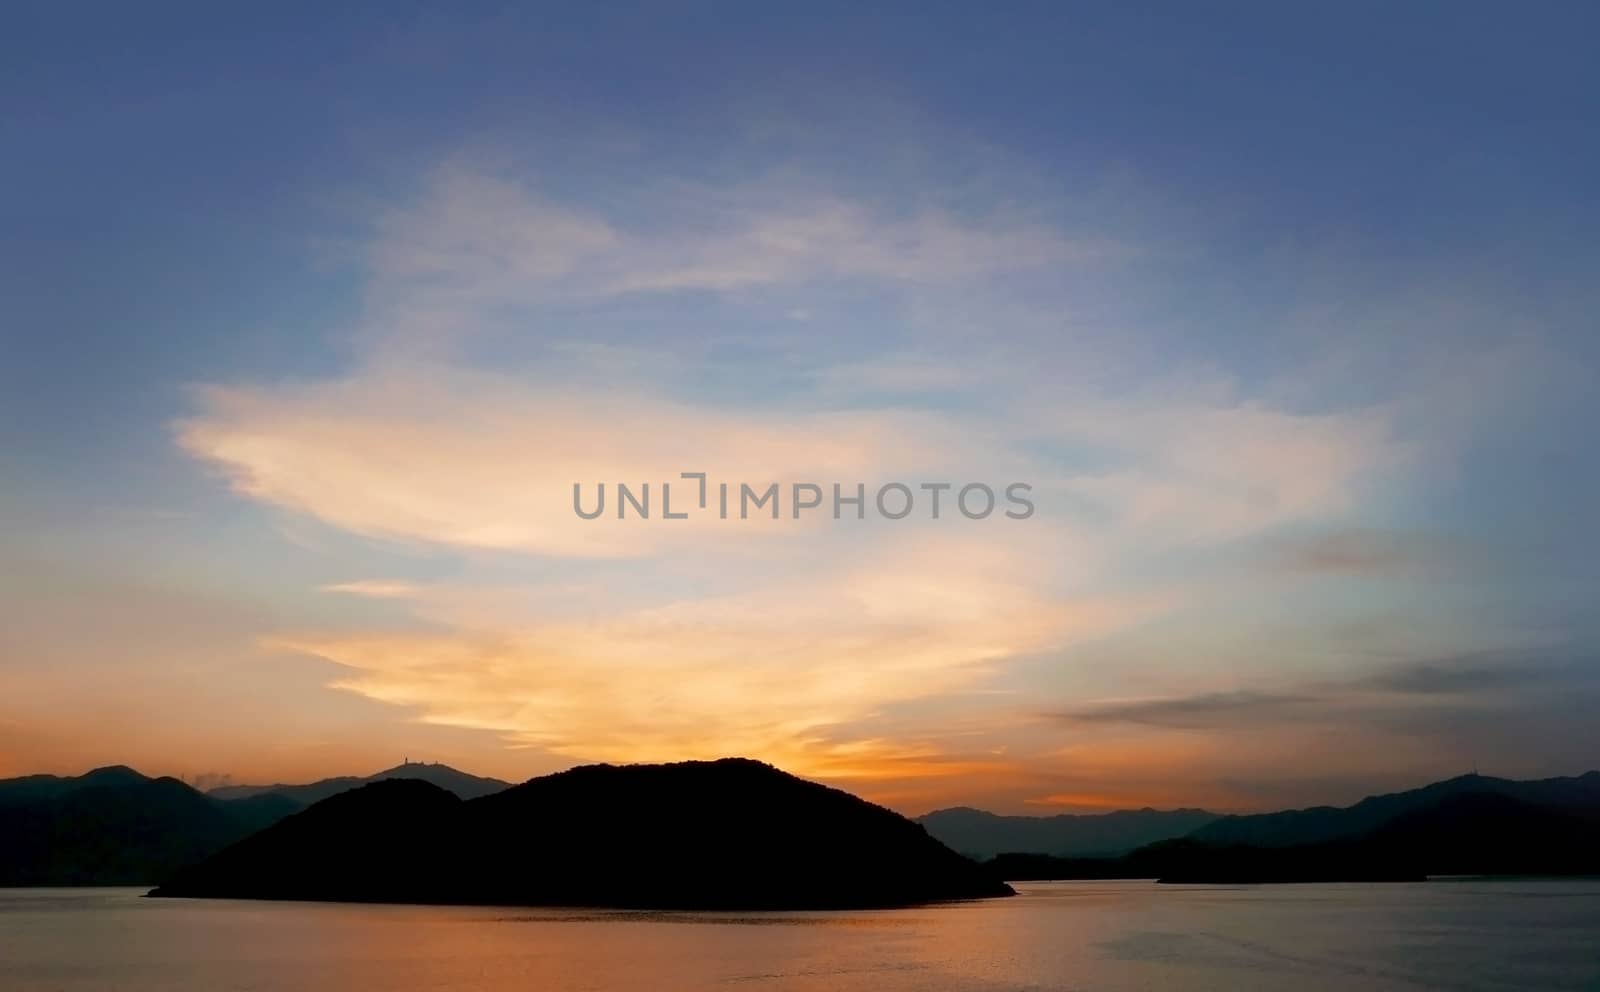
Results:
722 835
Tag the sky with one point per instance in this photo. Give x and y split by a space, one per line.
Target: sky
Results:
312 318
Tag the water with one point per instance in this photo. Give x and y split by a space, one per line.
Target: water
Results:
1521 935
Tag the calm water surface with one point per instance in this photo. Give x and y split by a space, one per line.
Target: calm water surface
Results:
1521 935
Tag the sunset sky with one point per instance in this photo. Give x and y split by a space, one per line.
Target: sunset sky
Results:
312 317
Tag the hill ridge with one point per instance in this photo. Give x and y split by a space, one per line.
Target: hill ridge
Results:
726 834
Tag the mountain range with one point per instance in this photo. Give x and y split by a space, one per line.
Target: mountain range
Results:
115 826
980 834
1472 824
1578 796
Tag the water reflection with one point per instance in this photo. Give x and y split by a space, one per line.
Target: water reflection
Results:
1441 935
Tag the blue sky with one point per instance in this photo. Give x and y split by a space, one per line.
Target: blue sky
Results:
313 318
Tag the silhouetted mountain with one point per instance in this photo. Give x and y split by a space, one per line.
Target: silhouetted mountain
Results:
1465 826
1319 824
730 834
980 834
449 779
39 788
1493 833
114 826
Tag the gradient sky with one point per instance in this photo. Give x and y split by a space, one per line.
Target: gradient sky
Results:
312 316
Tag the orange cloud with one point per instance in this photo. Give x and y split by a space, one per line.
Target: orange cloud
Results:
772 673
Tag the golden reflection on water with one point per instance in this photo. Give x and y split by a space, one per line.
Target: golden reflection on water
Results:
1083 935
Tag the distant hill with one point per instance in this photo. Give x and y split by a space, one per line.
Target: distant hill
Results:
730 834
980 834
16 792
1576 795
449 779
1465 826
114 826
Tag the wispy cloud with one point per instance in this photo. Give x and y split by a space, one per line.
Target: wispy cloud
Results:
774 672
477 460
1365 552
1203 710
475 242
1391 694
374 589
1492 672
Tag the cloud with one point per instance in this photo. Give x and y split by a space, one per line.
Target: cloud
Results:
475 242
1203 710
1213 468
470 459
1315 740
417 444
480 396
476 460
1415 693
778 671
374 589
1363 553
1470 674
